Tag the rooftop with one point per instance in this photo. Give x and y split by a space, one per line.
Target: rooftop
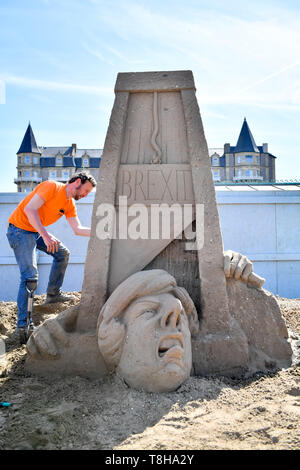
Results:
264 186
246 142
28 144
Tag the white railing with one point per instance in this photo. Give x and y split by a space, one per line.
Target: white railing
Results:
59 178
248 178
22 179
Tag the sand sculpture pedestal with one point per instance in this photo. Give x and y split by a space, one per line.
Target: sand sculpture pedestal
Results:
155 152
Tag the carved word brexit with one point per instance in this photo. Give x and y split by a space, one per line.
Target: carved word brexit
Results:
150 183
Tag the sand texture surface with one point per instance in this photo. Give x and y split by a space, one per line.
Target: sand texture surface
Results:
258 412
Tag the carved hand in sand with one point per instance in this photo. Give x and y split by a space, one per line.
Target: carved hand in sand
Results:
52 334
239 267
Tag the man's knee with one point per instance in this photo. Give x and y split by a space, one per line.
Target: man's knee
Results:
64 253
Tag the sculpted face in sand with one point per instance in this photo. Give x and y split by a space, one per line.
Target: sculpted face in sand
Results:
152 334
157 347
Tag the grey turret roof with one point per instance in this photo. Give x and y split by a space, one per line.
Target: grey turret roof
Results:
28 144
246 142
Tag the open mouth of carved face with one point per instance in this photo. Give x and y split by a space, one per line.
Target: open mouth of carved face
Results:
171 346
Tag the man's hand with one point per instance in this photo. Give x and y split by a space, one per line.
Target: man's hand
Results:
51 242
239 267
31 210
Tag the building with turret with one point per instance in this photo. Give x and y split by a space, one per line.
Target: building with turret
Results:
37 164
244 163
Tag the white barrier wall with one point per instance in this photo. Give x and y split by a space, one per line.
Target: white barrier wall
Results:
263 225
9 271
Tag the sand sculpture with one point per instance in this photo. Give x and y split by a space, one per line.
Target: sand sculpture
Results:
156 153
144 331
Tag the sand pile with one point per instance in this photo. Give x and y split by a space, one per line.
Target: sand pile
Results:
260 412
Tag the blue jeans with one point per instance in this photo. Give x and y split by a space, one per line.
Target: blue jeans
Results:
24 244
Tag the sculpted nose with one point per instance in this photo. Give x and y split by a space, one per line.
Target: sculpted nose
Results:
172 318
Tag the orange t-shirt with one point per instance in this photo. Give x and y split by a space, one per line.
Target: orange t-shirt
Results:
56 205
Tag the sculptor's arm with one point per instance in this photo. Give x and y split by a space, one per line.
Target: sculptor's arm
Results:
239 267
77 228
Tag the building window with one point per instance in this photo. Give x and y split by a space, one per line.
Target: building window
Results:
35 174
20 160
27 159
27 174
66 174
52 174
239 159
59 160
215 161
249 173
257 159
27 190
85 161
240 173
35 160
216 176
249 158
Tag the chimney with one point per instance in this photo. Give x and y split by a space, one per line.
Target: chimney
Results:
265 148
74 147
226 148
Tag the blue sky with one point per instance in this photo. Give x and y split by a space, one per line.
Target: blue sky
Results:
59 60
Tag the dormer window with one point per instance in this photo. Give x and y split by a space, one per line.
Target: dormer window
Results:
59 160
215 160
85 161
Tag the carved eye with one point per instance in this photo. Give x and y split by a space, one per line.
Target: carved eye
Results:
149 311
145 307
